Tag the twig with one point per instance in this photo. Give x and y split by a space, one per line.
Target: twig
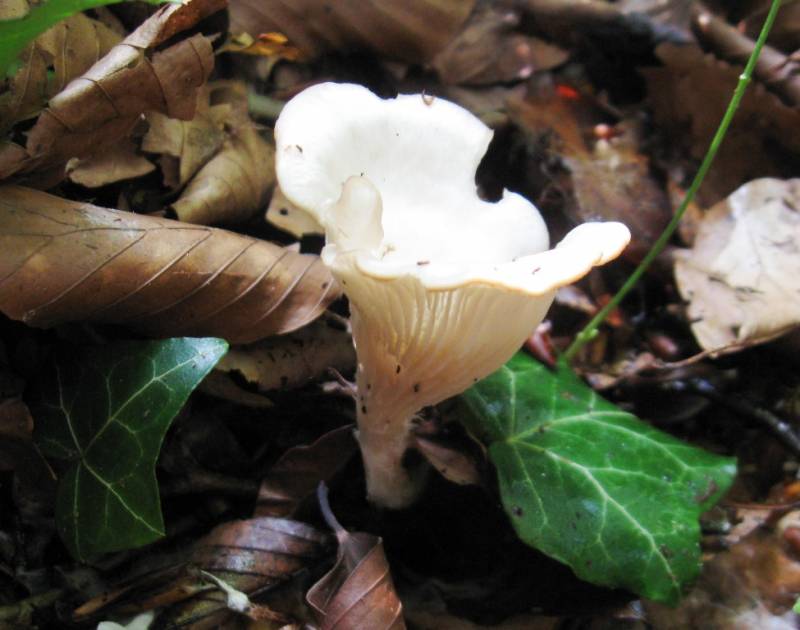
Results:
779 428
590 330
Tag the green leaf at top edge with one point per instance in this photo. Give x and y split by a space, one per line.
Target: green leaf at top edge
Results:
592 485
106 410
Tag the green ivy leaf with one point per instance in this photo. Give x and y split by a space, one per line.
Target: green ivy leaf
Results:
592 485
16 33
106 410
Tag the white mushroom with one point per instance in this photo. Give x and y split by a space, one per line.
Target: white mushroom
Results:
443 286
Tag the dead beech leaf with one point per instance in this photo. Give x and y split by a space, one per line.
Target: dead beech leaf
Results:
357 592
159 276
292 360
488 51
118 162
413 30
102 106
299 471
186 145
235 183
741 277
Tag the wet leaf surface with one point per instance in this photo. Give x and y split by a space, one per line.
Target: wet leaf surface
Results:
159 276
563 455
105 411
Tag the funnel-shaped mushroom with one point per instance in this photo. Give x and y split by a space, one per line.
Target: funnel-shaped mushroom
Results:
443 286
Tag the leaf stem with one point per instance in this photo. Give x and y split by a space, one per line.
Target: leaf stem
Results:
590 330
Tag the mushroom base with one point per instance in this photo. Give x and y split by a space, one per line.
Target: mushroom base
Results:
384 443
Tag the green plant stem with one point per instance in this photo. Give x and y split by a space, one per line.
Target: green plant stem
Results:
590 330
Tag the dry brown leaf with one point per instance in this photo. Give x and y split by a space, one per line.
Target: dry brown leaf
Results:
292 360
413 30
612 180
689 96
299 471
67 261
488 50
102 106
118 162
358 592
235 183
186 145
742 278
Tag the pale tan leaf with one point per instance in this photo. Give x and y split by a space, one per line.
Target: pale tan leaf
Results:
292 360
742 278
287 216
413 30
66 261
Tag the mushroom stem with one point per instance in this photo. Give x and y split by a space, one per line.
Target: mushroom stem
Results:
384 440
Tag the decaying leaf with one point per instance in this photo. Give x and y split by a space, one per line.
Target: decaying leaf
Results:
69 48
358 591
235 183
488 50
741 278
293 360
18 451
410 31
285 215
100 107
689 95
161 277
299 471
118 162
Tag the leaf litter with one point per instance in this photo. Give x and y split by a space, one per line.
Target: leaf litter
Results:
599 110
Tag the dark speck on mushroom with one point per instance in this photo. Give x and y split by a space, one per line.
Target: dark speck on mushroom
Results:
283 211
298 147
416 387
397 369
364 409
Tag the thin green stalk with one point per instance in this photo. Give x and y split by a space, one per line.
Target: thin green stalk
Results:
590 330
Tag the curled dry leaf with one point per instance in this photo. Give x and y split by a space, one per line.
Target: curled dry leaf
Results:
414 30
186 145
235 183
103 105
52 60
299 471
162 277
357 592
741 277
293 360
